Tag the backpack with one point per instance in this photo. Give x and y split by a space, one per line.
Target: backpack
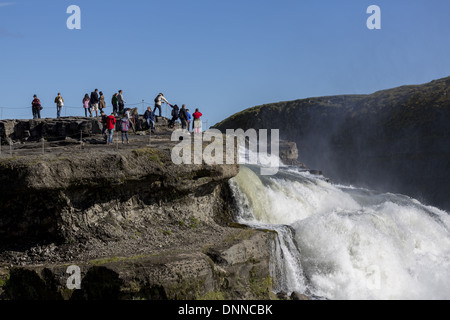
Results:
124 125
181 115
157 99
36 103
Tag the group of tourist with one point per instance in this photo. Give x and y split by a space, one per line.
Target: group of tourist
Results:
128 120
95 103
186 119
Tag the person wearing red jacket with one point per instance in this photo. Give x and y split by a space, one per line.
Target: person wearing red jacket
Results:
197 121
111 126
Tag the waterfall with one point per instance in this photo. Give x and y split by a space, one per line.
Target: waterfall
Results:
343 242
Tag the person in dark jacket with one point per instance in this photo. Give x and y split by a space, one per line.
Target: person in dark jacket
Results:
95 100
175 110
36 107
183 117
149 116
121 102
115 103
105 125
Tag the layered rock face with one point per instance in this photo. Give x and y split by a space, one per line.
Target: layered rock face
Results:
65 197
234 269
137 225
13 131
394 140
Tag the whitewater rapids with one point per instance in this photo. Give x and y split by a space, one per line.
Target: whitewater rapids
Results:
345 243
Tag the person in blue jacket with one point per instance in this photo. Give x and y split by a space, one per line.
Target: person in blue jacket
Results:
189 120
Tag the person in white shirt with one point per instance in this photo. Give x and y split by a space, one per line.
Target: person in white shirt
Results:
59 104
158 102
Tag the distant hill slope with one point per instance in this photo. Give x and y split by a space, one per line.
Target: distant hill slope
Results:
394 140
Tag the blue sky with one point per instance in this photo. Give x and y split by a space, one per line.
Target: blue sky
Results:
220 56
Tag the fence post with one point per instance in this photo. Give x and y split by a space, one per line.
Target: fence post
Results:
150 136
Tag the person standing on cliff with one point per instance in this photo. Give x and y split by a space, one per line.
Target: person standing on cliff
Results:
131 116
94 102
158 102
125 127
105 125
102 103
36 107
86 105
115 103
121 101
189 120
197 121
111 126
183 117
59 104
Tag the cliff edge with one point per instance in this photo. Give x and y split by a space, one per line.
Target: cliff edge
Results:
136 225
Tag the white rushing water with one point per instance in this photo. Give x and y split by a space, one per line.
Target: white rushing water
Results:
339 242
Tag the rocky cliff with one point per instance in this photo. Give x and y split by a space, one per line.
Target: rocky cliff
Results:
137 225
21 131
394 140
